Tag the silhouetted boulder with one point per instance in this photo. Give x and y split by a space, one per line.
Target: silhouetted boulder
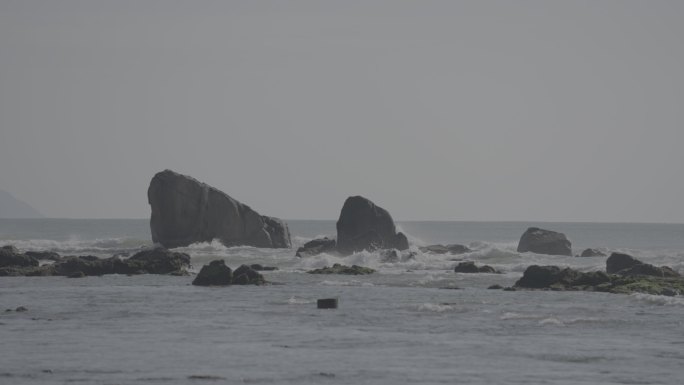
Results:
185 211
471 267
364 226
11 257
620 261
216 273
315 247
592 253
542 241
245 275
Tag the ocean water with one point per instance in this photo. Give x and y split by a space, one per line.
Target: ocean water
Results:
413 322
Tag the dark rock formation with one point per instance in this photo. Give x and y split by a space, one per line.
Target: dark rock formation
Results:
341 269
555 278
216 273
592 253
542 241
158 261
538 277
245 275
470 267
315 247
495 287
185 211
11 257
627 265
364 226
441 249
44 255
154 261
620 261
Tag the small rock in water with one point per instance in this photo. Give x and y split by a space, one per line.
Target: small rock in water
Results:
20 309
258 267
495 287
327 303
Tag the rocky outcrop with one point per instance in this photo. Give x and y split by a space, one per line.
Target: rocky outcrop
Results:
441 249
216 273
315 247
245 275
185 211
620 261
11 257
628 266
592 253
471 267
542 241
44 255
153 261
637 278
364 226
341 269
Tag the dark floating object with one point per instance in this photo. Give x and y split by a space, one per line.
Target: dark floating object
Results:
327 303
20 309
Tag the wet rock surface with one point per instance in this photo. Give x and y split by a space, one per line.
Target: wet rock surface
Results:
341 269
186 211
542 241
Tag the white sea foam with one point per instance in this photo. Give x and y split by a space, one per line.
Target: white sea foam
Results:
436 307
659 299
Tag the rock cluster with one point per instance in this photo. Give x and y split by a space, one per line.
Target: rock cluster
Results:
362 225
152 261
471 267
185 211
216 273
625 274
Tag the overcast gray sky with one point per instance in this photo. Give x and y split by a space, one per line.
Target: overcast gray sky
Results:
436 110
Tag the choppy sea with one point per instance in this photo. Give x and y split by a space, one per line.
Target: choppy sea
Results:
413 322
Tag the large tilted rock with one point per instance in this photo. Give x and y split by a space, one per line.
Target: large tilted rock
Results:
542 241
364 226
185 211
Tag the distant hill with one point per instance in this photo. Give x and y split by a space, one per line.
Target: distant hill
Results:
11 207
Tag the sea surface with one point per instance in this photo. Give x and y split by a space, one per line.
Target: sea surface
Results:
413 322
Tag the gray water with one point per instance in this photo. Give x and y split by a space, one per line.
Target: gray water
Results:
413 322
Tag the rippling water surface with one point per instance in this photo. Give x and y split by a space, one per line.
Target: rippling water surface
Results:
413 322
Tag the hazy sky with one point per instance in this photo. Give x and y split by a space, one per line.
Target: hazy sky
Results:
436 110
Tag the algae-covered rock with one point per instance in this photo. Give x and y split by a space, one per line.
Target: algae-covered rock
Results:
341 269
555 278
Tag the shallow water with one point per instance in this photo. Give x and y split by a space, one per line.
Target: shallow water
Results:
406 324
